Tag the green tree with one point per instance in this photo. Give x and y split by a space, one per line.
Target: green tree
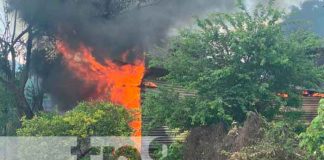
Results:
167 107
313 139
241 61
85 120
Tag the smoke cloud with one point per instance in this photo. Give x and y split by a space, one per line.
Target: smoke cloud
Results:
311 15
113 26
286 5
94 23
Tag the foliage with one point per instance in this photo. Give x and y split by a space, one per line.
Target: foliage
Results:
9 120
86 119
279 142
313 139
241 61
174 152
167 108
128 152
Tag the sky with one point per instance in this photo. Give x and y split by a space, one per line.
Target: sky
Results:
2 19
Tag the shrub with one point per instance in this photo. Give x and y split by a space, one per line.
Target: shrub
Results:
174 152
313 139
280 141
85 120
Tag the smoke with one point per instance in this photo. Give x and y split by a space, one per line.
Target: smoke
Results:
111 27
286 5
111 31
311 15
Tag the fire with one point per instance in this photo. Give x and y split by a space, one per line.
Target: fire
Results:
150 85
119 84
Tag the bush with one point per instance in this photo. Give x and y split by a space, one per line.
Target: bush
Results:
86 119
167 108
313 139
175 152
280 141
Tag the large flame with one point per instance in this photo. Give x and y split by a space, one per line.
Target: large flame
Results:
119 84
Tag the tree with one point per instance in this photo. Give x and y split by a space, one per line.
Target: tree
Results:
85 120
313 139
16 44
239 62
168 108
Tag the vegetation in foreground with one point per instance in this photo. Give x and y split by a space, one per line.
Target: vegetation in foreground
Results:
85 120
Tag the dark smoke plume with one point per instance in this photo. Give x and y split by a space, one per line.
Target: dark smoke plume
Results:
113 26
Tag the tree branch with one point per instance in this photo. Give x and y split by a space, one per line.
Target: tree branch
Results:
12 51
20 35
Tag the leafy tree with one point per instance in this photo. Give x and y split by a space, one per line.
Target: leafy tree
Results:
85 120
241 61
167 107
313 139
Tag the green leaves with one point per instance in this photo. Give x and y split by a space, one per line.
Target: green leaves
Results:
168 108
244 59
313 139
87 119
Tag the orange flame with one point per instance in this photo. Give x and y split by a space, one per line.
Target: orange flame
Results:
150 85
119 84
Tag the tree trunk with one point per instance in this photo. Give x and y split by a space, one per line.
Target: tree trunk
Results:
25 109
23 106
